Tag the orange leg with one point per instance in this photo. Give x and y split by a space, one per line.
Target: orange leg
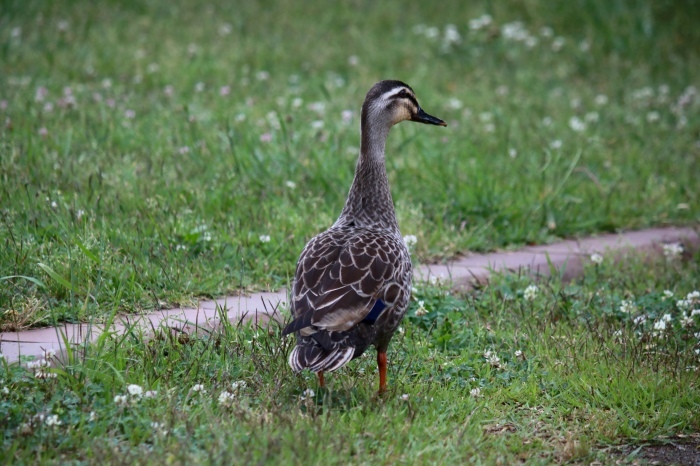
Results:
381 363
321 382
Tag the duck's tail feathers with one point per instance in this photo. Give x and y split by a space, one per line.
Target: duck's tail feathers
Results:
317 359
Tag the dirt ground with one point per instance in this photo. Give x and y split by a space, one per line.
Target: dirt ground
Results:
680 450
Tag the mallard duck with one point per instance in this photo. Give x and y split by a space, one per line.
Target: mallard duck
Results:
353 281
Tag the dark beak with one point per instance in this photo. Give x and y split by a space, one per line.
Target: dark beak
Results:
422 117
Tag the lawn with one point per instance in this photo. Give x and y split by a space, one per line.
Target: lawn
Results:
152 152
514 372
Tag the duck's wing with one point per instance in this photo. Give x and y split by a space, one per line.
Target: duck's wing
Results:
343 277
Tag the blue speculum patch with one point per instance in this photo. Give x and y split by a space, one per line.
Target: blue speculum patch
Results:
376 311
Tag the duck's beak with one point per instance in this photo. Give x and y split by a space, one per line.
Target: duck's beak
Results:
422 117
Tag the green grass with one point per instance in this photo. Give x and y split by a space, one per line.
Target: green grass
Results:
575 376
146 193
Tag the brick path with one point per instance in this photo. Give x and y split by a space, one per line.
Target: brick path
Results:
462 273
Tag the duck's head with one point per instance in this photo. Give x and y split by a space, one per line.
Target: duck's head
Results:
391 102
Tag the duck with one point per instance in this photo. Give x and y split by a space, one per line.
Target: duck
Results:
353 281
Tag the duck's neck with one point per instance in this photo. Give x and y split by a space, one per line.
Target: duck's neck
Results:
369 202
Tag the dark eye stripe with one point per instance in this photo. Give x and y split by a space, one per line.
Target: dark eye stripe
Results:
406 95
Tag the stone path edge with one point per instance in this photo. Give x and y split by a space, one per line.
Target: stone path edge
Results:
566 257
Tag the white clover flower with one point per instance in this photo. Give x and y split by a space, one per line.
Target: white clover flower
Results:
421 311
576 124
601 99
150 394
199 87
660 325
239 385
159 428
92 416
512 153
518 354
317 124
514 31
318 107
546 32
199 388
307 394
643 93
432 33
617 333
693 296
556 144
687 321
262 75
627 306
475 392
531 42
695 312
346 116
492 358
225 29
353 60
5 390
680 304
120 400
596 258
452 35
134 390
129 114
672 250
668 294
494 361
547 121
52 420
639 319
404 397
226 398
653 117
558 44
591 117
480 22
41 374
37 364
454 103
40 94
530 292
410 241
290 184
264 238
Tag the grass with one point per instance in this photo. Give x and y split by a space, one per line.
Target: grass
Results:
148 146
564 373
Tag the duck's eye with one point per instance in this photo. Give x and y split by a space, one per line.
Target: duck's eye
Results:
403 93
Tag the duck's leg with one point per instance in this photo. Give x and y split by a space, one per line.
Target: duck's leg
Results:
321 382
381 363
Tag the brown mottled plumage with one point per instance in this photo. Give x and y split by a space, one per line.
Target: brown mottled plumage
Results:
353 281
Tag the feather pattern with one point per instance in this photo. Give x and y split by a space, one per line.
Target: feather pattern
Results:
353 281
